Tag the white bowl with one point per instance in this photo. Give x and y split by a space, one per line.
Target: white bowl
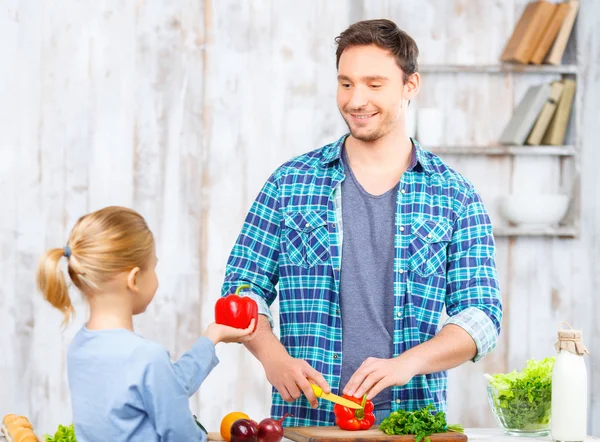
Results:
533 209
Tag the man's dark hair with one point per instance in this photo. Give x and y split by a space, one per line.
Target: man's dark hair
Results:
384 34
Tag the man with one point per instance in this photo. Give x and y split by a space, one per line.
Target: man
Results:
368 238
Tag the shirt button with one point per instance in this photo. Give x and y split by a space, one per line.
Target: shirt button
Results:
430 236
402 191
337 312
402 228
307 225
333 225
335 356
399 314
401 271
398 401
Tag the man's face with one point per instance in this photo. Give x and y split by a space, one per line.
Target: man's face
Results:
370 92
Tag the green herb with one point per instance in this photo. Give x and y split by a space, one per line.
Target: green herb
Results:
523 399
199 424
63 434
421 423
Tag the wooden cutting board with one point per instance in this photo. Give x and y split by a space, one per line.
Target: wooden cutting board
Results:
335 434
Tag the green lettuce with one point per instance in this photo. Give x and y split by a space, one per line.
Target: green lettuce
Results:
523 399
63 434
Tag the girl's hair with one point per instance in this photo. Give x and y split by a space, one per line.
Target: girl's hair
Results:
101 245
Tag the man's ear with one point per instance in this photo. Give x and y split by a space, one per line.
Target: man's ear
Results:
132 280
411 87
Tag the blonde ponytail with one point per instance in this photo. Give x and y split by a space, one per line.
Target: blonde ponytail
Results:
52 283
102 244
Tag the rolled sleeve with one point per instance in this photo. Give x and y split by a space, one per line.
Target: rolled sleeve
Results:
481 328
473 300
254 259
263 307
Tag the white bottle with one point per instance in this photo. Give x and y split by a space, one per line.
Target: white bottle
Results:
569 388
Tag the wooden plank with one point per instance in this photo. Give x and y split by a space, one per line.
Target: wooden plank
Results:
59 182
585 270
18 114
112 74
237 34
156 124
159 146
335 434
170 171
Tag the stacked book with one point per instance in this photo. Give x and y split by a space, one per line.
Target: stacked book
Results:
542 33
542 116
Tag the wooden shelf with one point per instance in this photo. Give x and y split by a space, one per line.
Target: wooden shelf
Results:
562 231
504 150
500 68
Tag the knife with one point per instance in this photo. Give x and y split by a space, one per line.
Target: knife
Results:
334 398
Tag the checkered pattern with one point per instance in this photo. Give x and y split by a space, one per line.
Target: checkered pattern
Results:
291 242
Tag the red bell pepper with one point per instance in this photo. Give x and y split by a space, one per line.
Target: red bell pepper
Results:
350 419
236 311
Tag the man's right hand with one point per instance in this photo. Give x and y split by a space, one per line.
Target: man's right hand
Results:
288 375
291 377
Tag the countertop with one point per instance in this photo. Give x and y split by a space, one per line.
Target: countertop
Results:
497 435
482 434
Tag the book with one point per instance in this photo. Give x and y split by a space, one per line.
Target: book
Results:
550 33
546 114
555 135
528 32
525 115
557 50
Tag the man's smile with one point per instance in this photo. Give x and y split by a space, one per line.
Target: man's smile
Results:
362 117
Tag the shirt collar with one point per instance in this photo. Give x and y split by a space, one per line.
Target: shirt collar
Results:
333 152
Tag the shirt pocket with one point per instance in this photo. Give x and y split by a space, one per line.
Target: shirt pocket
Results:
306 237
428 246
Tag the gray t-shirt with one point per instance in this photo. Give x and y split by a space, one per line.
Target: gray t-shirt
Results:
367 278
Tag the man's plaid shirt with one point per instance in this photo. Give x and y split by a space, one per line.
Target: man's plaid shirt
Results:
291 242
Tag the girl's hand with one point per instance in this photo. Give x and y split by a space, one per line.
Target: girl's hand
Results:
223 333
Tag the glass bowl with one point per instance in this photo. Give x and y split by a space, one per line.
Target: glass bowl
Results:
522 412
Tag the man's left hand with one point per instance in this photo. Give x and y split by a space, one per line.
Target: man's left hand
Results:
375 374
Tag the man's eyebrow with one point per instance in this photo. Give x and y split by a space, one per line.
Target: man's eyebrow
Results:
375 78
367 78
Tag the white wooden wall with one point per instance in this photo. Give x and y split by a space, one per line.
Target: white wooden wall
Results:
182 109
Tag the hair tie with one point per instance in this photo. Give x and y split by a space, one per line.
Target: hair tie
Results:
67 251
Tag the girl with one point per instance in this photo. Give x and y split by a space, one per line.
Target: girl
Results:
124 387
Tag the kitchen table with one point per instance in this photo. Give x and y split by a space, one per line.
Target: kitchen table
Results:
474 434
